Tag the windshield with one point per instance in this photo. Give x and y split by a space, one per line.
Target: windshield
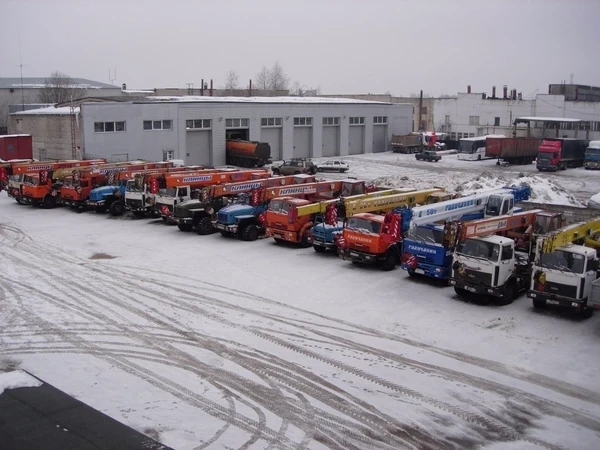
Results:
68 182
28 179
544 155
466 147
479 249
131 186
17 178
426 234
564 261
279 206
169 192
360 224
592 152
545 224
493 206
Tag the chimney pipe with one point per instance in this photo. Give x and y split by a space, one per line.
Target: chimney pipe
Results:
520 96
505 91
211 88
493 91
202 88
468 88
250 89
513 94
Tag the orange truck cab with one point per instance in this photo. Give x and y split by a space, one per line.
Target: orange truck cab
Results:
372 238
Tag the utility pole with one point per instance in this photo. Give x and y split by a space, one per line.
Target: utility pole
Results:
420 111
21 66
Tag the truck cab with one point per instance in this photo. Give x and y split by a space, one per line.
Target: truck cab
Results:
281 228
592 156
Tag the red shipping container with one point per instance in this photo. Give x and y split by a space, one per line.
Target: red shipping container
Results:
16 146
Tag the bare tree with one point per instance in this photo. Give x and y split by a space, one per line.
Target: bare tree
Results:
279 79
262 81
231 81
59 88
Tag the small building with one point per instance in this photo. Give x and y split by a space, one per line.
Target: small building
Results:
195 128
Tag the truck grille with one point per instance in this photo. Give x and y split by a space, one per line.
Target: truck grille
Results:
134 203
475 277
222 218
560 289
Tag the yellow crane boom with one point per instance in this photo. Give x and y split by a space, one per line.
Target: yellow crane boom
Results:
569 234
389 202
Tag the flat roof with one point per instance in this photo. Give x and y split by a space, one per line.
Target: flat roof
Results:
40 82
50 110
289 100
546 119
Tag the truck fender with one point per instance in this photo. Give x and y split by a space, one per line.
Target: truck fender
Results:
306 226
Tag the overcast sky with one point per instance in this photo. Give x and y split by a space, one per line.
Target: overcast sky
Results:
339 46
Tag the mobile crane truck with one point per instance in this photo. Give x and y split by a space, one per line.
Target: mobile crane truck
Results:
488 262
202 213
330 215
426 251
285 228
564 267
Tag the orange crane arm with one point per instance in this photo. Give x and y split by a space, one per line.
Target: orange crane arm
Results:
490 225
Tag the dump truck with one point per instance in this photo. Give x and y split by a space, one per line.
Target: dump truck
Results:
565 265
558 154
521 150
284 228
410 143
247 153
592 156
426 249
329 215
178 188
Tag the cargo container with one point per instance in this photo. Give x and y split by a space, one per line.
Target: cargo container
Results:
558 154
512 150
592 156
247 153
16 146
409 143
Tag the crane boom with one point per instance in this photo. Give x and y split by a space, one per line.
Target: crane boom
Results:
490 225
220 190
301 189
388 202
569 234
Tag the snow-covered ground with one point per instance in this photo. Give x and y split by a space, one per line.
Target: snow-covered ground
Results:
209 342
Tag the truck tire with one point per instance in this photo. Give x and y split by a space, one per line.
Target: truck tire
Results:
312 170
100 209
319 249
49 202
205 226
510 293
117 209
389 263
249 233
587 312
185 226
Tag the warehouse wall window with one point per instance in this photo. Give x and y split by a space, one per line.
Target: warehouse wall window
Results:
108 127
158 125
496 121
357 120
302 121
198 124
473 120
329 121
271 122
424 110
168 155
237 123
447 119
380 120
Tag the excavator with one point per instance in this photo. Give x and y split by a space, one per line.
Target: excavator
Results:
172 189
205 213
328 215
564 266
284 227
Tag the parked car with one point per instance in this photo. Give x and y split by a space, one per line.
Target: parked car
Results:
295 166
333 165
428 155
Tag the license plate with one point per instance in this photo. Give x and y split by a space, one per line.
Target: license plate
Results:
421 271
470 289
553 302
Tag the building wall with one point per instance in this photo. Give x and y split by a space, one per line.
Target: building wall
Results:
470 114
51 134
150 145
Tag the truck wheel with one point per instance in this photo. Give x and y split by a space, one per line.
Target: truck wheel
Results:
389 263
117 209
185 226
313 170
205 226
460 291
412 273
319 249
249 233
304 242
510 292
587 312
539 303
49 202
100 209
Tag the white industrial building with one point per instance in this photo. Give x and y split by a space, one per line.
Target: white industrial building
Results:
478 114
194 128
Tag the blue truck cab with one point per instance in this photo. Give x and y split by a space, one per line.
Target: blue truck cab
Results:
241 218
323 234
102 198
592 156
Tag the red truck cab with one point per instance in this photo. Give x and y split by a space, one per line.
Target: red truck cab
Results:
279 226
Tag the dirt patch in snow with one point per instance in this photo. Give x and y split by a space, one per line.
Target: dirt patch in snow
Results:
102 256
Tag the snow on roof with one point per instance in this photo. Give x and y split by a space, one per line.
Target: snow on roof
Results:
547 119
138 91
51 110
208 99
594 144
40 82
12 135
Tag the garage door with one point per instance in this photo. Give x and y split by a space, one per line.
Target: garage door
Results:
356 139
379 138
302 142
331 141
273 137
197 147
